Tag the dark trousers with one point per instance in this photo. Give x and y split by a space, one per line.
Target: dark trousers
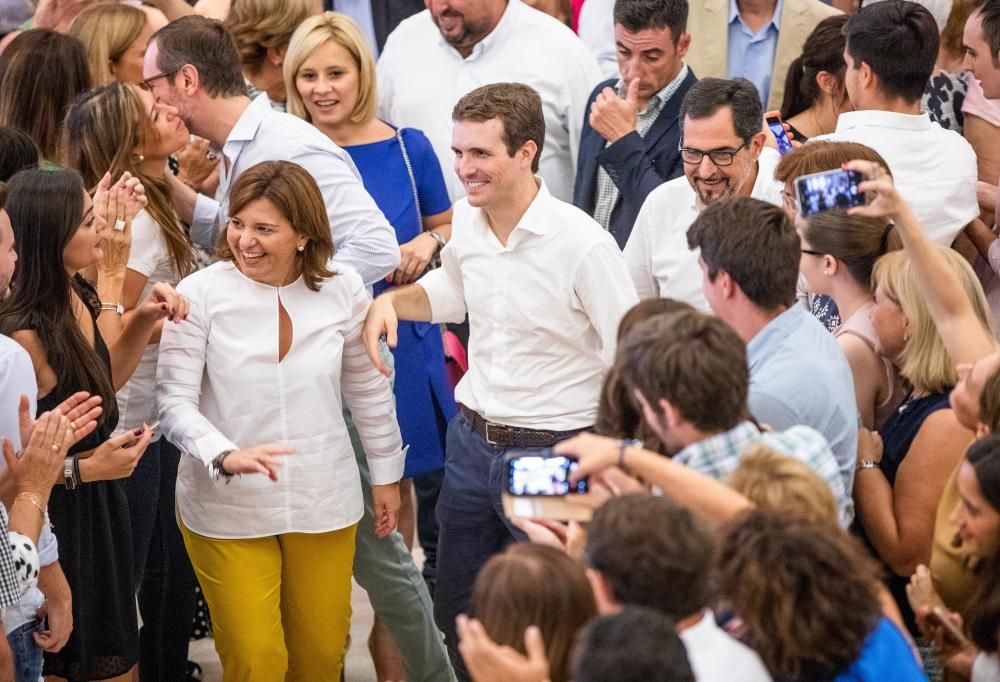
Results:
427 488
164 578
472 525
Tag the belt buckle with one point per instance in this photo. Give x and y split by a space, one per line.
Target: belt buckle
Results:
503 428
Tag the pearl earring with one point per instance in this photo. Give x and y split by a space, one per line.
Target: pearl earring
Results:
302 247
140 158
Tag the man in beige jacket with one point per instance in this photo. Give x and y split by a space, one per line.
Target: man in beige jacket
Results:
752 39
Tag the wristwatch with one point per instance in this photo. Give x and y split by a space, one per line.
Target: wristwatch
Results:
113 307
71 475
438 238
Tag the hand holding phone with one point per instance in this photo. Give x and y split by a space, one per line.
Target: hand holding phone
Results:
953 634
829 190
780 135
535 485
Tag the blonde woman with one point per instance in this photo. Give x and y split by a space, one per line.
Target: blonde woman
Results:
143 139
262 29
330 81
115 37
901 475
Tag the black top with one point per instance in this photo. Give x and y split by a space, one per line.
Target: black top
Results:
92 526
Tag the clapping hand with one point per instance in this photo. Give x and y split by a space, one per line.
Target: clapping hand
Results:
117 205
40 465
81 408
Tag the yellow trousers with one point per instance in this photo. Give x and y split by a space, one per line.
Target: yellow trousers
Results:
280 605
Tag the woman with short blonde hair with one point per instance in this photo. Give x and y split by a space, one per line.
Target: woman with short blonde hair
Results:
115 36
261 30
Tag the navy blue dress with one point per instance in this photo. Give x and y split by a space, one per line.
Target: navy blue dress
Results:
425 401
898 433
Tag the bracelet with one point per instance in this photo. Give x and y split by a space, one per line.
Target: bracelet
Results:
438 238
113 307
216 466
622 445
866 464
76 471
32 499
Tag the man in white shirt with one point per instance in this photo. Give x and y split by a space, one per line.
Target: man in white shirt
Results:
650 551
189 65
192 65
722 148
890 54
545 288
455 46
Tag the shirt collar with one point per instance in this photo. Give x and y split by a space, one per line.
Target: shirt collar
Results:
734 14
536 220
509 16
884 119
773 333
735 438
247 124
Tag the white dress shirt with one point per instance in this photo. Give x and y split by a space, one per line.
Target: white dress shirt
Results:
150 258
543 312
421 78
221 386
715 656
597 31
657 253
934 169
363 238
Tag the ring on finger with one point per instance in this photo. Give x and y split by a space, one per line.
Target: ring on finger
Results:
55 447
72 425
119 225
210 155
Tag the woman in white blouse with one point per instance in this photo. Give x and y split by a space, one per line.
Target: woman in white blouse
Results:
252 383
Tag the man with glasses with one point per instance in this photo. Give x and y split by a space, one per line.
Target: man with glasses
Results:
722 148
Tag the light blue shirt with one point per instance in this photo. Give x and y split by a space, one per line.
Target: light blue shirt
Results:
361 12
751 55
362 237
799 376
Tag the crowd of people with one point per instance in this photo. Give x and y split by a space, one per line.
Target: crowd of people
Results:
288 286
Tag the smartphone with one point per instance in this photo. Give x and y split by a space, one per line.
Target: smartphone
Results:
540 474
954 632
828 190
784 144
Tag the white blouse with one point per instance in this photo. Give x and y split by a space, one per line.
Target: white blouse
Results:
220 386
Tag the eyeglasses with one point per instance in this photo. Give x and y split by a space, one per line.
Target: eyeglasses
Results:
812 253
720 157
145 85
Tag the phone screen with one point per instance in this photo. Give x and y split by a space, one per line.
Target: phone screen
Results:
541 475
784 144
829 190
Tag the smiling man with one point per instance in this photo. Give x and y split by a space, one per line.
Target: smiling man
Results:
630 136
722 148
545 288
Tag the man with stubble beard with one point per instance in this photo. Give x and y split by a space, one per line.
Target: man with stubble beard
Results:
723 152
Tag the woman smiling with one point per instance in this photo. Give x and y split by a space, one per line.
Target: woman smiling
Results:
253 383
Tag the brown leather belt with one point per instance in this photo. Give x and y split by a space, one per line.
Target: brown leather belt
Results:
513 436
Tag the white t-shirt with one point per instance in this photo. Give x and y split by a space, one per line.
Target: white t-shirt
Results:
151 258
715 656
934 169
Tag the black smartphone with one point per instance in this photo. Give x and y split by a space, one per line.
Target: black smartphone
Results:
828 190
540 473
784 144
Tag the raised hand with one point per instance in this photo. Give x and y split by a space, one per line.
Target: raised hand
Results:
613 117
163 302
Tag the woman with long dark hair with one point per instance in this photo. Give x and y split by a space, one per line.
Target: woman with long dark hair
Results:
815 94
62 320
117 129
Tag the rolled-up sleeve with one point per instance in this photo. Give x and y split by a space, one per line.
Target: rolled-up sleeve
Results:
369 396
445 289
179 373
